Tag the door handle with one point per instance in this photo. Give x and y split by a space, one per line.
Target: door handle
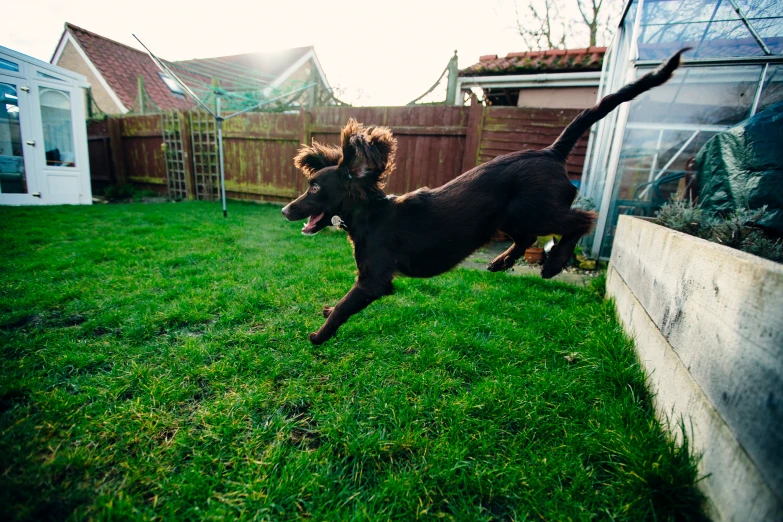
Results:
36 194
31 142
25 89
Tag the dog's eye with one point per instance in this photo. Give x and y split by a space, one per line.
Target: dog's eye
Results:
315 187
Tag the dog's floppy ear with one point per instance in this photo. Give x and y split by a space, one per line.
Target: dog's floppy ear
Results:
311 159
368 153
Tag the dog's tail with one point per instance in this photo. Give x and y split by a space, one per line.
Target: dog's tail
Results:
565 143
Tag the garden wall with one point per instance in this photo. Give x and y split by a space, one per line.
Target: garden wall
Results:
708 327
436 144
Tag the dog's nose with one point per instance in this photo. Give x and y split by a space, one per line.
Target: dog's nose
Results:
285 211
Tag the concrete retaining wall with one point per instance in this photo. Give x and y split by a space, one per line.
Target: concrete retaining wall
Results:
708 325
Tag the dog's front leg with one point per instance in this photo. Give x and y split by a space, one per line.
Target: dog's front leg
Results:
356 300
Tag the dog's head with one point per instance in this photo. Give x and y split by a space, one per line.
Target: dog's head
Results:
341 176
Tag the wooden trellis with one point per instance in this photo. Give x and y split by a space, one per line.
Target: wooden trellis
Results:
203 130
174 155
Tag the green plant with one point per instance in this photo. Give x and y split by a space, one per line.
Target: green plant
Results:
682 216
738 229
542 241
119 193
583 203
127 192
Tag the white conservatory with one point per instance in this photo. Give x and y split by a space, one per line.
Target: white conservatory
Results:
643 153
43 133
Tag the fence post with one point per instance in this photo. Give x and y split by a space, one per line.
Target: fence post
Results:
305 124
187 155
473 136
117 152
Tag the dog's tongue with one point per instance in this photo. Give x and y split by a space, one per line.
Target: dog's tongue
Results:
312 221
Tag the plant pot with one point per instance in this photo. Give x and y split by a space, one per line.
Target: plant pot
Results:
534 256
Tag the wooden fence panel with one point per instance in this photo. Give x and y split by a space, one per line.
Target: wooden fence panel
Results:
259 150
435 144
99 149
508 129
142 141
430 140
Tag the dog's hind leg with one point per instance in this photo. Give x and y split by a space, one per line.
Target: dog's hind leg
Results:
507 259
575 223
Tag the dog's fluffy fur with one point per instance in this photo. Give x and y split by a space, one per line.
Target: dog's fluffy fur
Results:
424 233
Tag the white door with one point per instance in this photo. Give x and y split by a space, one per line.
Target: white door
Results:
60 144
19 183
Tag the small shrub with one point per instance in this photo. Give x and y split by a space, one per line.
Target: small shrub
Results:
682 216
127 192
583 203
758 244
738 229
119 193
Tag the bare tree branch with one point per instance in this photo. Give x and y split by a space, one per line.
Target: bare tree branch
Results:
543 24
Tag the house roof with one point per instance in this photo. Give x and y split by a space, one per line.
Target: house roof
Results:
121 65
535 62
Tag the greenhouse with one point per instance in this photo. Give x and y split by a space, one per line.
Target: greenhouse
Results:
643 154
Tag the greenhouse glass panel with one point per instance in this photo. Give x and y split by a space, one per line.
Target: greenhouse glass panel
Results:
712 28
772 91
665 129
701 96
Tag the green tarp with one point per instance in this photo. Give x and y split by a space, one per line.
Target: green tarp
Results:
743 167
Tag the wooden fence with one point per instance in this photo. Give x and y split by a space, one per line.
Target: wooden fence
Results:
435 145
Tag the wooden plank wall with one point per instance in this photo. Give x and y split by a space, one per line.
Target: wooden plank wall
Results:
430 140
142 152
99 149
435 144
258 149
507 129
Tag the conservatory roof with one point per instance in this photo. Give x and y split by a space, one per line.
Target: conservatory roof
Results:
713 28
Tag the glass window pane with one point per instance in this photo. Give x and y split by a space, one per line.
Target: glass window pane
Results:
771 32
57 128
700 95
171 84
711 27
772 91
654 166
12 176
8 65
730 38
760 8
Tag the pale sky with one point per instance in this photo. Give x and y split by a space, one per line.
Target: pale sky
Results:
378 53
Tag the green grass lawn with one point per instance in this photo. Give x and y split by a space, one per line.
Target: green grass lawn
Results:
155 365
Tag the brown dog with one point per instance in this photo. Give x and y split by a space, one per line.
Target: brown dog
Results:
424 233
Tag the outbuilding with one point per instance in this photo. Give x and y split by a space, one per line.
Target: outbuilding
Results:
43 133
643 153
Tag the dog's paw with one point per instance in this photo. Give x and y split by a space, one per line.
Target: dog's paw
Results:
500 263
550 271
327 311
316 339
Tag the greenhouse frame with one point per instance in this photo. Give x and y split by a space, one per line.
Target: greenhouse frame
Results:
642 154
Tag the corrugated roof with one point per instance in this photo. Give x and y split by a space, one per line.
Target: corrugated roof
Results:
535 62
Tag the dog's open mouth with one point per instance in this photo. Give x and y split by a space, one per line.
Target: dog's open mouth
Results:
312 223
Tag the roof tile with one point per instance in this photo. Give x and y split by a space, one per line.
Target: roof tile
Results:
534 62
